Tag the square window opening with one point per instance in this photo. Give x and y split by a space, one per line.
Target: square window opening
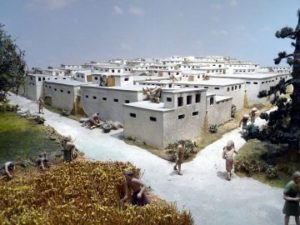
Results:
153 119
195 113
180 117
198 97
180 101
188 99
133 115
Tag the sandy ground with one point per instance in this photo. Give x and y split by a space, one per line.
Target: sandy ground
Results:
202 189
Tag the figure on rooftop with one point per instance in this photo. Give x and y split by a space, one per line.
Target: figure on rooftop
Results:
152 94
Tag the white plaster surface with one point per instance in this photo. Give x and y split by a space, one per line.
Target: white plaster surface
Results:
202 189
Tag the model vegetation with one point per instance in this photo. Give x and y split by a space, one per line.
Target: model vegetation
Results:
22 139
80 193
12 64
276 154
284 123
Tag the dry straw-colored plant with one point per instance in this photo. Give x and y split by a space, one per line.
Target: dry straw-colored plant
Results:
81 193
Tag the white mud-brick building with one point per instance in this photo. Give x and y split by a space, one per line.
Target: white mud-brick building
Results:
218 109
224 87
83 76
256 83
179 115
33 86
106 79
108 101
63 94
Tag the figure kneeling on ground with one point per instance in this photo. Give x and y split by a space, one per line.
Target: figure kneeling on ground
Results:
134 190
93 121
42 161
7 170
68 148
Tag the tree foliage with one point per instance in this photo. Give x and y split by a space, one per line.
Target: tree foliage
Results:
12 64
284 123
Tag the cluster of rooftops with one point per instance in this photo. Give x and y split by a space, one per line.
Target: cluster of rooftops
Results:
115 87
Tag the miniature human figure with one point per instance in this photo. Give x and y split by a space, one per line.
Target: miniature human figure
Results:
244 121
7 170
41 105
42 161
68 148
291 196
252 114
156 94
179 158
228 153
94 120
152 94
135 190
103 81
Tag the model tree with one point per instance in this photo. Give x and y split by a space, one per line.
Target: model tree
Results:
284 123
12 64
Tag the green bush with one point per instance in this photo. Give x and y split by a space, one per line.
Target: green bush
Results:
252 131
190 147
271 172
250 167
213 128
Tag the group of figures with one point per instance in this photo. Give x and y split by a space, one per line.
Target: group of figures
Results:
245 119
228 154
152 94
7 170
42 162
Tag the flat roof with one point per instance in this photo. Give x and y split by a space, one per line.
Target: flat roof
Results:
181 90
257 76
157 81
39 75
208 94
149 105
120 88
213 82
65 82
111 74
210 82
221 98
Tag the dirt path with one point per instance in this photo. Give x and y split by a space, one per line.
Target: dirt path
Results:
202 189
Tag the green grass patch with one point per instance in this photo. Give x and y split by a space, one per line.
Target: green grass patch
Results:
256 158
21 138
